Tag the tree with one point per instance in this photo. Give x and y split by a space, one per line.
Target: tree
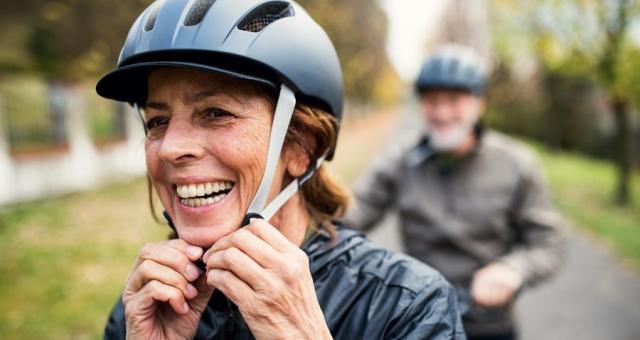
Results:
358 28
76 39
583 38
465 22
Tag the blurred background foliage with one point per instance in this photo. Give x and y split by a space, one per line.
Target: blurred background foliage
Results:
73 40
64 39
358 28
567 73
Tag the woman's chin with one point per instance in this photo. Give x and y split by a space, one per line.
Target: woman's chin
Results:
203 236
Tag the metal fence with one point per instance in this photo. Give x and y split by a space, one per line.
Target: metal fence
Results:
34 113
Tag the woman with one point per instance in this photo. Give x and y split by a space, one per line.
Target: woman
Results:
241 99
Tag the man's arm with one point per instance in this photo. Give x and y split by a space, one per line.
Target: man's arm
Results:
540 249
375 192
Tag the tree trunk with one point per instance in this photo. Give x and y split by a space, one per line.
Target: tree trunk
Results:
623 151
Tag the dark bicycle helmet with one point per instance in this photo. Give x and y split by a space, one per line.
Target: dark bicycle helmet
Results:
273 42
453 67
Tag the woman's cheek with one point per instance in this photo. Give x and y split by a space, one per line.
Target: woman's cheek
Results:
245 150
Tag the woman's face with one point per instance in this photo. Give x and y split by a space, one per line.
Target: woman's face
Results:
206 149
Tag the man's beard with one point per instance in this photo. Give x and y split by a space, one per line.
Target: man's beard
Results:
452 138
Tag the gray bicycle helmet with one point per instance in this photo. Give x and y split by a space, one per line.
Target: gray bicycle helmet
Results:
273 42
453 67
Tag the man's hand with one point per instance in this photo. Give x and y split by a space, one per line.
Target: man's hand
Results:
495 285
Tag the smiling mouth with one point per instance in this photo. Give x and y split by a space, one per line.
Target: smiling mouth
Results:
202 194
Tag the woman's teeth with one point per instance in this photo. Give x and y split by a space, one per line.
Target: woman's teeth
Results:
197 195
198 202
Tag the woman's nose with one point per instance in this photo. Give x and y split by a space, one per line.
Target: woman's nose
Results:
180 143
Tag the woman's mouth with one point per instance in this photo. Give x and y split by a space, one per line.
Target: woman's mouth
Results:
202 194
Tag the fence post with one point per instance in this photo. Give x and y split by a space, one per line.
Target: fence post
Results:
86 170
135 140
58 100
6 167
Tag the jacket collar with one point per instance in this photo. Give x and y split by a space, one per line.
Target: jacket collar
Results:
322 249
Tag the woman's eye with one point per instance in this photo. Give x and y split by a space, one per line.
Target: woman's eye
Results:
156 122
214 113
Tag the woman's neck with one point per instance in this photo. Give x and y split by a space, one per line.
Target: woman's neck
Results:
293 219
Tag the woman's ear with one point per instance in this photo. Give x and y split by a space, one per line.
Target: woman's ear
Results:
296 160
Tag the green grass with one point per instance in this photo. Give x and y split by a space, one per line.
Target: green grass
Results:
64 261
583 190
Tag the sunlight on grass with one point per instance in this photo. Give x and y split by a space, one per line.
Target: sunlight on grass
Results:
65 261
584 190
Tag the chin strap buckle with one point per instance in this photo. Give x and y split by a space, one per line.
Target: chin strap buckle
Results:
166 216
248 217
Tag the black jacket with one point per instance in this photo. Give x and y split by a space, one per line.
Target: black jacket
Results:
365 292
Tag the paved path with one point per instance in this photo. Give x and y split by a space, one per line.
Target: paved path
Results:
593 298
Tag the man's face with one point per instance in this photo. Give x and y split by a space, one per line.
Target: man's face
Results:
450 116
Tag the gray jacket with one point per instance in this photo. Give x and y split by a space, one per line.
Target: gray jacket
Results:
460 215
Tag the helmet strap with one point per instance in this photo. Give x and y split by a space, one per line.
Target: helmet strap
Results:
293 187
281 119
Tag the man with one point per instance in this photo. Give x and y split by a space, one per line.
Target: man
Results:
472 203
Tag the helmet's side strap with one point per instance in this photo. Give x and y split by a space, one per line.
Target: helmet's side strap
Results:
281 119
293 187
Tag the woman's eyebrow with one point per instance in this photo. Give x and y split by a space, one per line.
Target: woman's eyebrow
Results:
192 99
160 106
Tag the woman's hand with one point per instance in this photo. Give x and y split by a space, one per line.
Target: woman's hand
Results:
495 285
268 278
165 294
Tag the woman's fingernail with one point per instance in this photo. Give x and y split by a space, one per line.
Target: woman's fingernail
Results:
185 308
191 291
192 271
194 251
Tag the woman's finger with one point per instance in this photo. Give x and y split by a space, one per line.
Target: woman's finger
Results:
230 285
154 292
168 255
241 265
193 253
250 244
150 270
270 235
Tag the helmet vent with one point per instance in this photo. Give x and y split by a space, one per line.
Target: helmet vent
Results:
265 15
197 12
151 19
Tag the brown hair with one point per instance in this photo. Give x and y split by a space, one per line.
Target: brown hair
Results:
313 131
